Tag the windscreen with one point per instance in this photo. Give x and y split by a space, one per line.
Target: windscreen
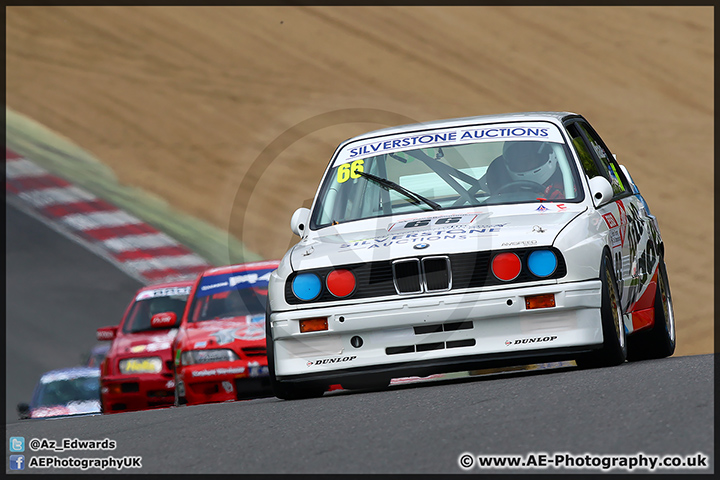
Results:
63 392
230 295
152 302
447 169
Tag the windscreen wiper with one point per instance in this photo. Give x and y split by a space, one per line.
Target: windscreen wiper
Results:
415 198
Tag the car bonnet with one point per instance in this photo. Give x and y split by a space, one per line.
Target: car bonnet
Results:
73 408
147 341
223 333
388 238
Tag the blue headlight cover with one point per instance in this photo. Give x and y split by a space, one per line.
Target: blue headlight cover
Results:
542 263
306 286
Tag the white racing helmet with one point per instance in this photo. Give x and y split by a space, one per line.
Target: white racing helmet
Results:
528 160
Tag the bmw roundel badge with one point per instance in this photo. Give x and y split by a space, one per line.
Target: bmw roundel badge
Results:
421 246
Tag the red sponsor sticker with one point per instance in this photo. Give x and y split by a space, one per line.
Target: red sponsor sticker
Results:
164 319
623 221
610 220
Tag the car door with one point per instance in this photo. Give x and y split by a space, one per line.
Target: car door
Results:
634 236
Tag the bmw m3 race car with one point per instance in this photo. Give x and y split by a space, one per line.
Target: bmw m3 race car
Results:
138 373
64 392
220 347
464 244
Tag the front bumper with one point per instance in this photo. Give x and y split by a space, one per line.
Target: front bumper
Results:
223 381
426 334
126 393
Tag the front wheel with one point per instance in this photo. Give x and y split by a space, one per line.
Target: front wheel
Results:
659 340
614 349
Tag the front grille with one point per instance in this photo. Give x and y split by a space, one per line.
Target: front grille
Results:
160 393
407 276
437 273
425 274
129 387
254 351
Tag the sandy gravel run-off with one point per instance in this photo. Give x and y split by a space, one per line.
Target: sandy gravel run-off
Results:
181 101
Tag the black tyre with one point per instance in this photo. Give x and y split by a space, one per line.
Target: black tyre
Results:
659 340
614 349
179 400
286 390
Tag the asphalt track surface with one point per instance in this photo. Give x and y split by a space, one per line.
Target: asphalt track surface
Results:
58 293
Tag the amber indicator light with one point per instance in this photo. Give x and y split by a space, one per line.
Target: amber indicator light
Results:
540 301
313 325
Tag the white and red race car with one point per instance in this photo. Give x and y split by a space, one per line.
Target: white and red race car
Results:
219 350
463 244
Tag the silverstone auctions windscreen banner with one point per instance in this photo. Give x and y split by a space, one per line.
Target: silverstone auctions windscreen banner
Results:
537 131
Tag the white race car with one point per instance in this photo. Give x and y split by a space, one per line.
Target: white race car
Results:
468 243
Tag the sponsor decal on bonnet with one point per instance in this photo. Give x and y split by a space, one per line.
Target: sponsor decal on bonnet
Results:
454 234
242 332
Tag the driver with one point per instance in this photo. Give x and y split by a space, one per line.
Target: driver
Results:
535 162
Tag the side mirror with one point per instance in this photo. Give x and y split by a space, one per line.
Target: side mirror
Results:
601 190
163 320
298 222
106 333
23 410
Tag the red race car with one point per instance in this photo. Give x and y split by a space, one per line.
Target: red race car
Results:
220 347
137 373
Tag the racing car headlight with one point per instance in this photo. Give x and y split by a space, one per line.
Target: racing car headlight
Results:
542 263
306 286
192 357
129 366
340 282
506 266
